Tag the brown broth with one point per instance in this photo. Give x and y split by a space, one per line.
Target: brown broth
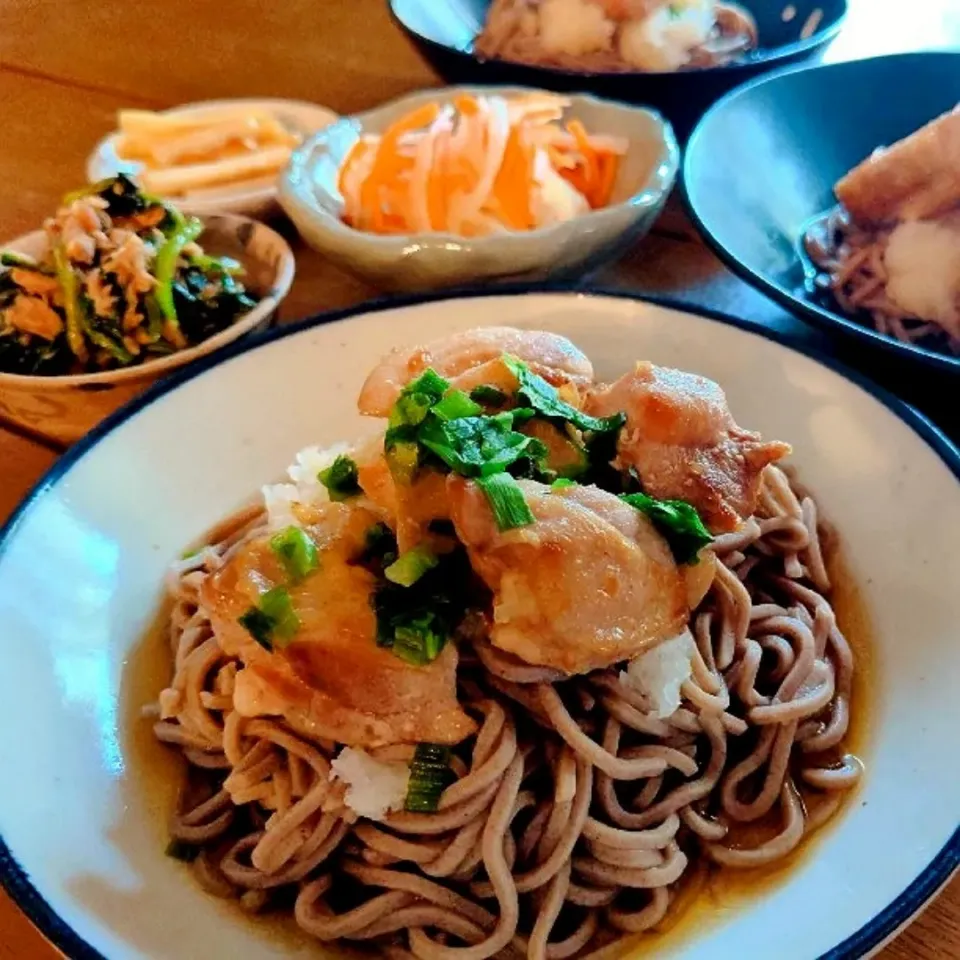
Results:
708 897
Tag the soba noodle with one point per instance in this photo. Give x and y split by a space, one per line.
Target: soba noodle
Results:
851 261
578 812
512 32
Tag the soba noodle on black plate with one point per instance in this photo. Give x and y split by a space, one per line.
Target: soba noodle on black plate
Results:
889 254
500 679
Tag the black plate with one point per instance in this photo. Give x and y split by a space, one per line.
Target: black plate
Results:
763 162
444 30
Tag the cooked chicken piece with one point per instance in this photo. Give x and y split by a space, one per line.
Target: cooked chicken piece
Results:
588 584
33 315
915 178
410 507
684 444
332 680
458 356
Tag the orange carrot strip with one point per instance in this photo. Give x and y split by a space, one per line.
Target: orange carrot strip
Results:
387 156
589 157
609 165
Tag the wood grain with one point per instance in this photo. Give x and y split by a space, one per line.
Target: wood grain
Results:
60 86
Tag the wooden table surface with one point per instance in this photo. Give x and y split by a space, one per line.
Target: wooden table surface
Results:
65 68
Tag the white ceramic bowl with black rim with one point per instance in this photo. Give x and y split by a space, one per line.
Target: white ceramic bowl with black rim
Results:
311 198
82 561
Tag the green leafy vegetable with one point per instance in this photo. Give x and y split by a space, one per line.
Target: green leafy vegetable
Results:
186 231
506 500
273 622
340 478
455 405
297 553
430 775
409 567
183 851
544 398
489 396
677 521
479 446
416 621
71 301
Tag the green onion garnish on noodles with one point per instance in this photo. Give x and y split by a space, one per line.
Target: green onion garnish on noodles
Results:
296 551
456 405
544 398
409 567
340 478
561 483
506 500
678 523
430 775
420 641
272 622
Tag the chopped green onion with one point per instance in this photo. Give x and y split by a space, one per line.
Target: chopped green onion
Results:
545 399
192 552
71 301
409 567
456 405
489 396
417 398
506 500
403 458
419 642
430 775
297 553
340 478
273 622
429 383
561 483
182 851
678 522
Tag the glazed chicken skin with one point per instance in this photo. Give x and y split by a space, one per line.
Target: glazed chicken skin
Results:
472 358
684 444
590 583
332 681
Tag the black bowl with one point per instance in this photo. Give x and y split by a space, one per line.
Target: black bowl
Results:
762 163
444 31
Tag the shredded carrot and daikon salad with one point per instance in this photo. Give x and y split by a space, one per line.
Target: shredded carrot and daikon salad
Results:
478 166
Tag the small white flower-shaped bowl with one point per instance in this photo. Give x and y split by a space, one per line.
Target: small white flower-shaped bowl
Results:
411 262
64 408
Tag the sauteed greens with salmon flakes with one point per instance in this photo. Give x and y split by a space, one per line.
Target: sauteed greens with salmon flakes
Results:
123 281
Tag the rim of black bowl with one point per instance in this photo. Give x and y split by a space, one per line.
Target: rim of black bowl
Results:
876 931
763 55
826 319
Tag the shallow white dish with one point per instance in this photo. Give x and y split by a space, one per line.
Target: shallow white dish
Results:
258 202
424 261
82 562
